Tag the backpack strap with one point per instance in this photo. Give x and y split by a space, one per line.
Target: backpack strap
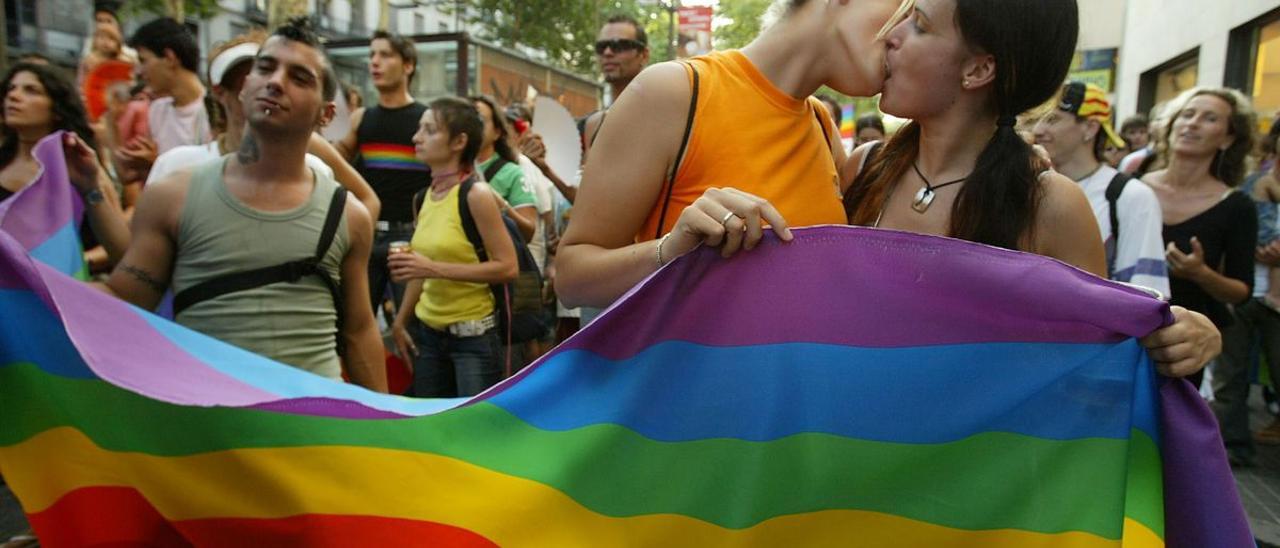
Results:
468 221
498 163
1114 189
684 143
290 271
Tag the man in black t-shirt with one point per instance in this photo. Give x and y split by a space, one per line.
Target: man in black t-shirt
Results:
380 145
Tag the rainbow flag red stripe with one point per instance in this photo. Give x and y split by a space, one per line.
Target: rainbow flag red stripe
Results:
855 386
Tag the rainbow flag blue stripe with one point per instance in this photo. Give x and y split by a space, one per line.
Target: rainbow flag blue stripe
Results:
855 386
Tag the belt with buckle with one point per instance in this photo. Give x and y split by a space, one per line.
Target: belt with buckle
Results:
472 328
388 226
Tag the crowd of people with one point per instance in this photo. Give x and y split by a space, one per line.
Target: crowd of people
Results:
446 220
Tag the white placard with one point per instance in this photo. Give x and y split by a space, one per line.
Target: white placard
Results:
560 134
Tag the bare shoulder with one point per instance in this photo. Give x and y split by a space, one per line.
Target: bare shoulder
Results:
1065 227
162 201
854 163
1060 197
481 194
356 116
663 87
358 219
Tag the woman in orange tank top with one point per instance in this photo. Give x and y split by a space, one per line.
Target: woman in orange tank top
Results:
713 149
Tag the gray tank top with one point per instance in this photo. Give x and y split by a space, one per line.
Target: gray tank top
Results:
293 323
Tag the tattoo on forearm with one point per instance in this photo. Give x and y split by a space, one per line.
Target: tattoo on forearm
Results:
145 277
248 152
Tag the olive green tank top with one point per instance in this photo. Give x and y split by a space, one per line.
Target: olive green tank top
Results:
291 322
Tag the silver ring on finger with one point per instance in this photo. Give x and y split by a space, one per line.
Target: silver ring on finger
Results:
725 220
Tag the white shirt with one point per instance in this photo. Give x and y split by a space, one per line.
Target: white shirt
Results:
172 127
187 156
1140 254
540 187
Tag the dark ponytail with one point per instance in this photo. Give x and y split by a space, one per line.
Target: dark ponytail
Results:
1032 42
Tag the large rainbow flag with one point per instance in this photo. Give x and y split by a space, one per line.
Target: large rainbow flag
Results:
855 387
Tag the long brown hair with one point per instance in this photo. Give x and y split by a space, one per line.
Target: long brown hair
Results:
1032 42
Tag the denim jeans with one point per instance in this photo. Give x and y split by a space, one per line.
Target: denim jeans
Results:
447 366
379 274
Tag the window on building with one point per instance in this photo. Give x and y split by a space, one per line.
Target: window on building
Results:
1253 65
1166 81
419 24
357 17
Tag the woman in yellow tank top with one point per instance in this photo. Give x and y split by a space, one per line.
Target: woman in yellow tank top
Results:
446 325
758 151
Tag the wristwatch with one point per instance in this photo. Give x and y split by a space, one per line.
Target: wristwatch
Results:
93 197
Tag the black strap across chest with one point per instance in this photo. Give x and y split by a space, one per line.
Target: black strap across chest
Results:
497 165
290 271
1114 189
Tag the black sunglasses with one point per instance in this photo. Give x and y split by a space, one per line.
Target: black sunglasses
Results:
619 45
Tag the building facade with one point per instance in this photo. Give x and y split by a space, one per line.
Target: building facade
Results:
1172 45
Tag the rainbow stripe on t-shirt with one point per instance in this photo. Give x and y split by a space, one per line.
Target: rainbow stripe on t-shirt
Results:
390 156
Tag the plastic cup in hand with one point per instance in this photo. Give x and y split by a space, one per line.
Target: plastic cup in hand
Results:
398 247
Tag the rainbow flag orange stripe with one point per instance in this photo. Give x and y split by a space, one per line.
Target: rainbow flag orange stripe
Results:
853 387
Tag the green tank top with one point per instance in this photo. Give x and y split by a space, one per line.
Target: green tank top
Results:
293 323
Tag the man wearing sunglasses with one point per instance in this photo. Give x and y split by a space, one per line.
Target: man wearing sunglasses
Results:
622 48
623 51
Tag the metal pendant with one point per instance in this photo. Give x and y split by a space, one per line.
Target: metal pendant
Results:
923 199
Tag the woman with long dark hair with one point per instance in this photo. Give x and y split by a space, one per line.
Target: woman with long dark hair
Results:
37 103
500 165
962 70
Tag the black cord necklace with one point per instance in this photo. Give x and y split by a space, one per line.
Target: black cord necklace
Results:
924 197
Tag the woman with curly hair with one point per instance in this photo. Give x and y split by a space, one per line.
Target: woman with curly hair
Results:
37 103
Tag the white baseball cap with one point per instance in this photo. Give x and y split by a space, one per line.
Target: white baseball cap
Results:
233 56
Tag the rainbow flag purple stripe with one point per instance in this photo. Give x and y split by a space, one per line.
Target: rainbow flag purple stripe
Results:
45 215
853 387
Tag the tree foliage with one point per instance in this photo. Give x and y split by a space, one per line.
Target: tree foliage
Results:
565 30
176 9
741 22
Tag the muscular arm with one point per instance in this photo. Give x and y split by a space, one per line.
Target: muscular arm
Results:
349 146
598 259
363 361
1065 227
108 220
346 175
143 274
